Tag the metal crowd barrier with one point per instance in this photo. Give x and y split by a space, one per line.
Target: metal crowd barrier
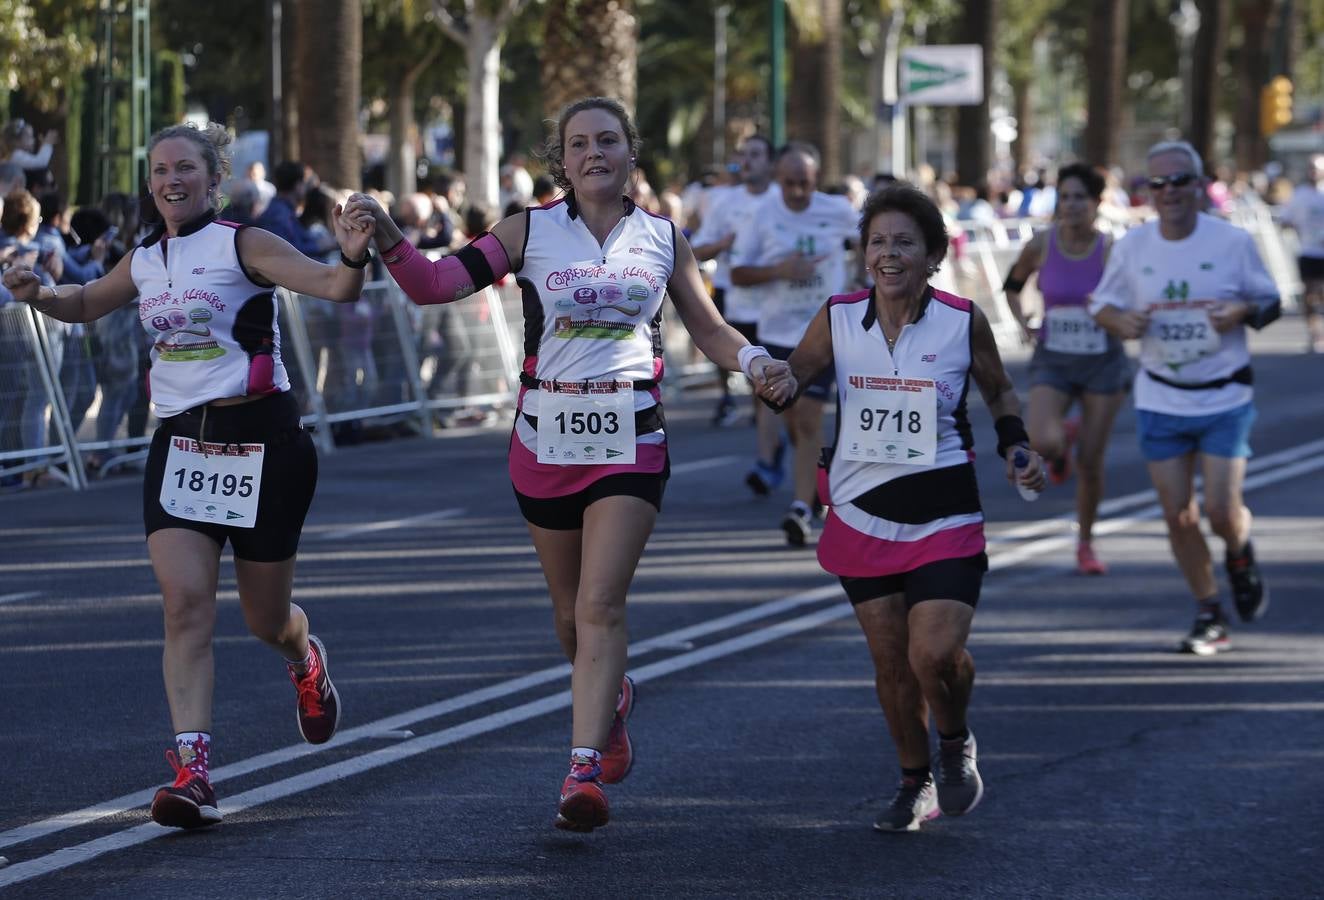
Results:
70 397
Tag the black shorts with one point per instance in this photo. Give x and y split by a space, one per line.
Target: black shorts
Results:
289 474
947 579
1311 268
567 513
820 388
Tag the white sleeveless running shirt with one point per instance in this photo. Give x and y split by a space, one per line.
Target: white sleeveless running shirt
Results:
594 311
204 314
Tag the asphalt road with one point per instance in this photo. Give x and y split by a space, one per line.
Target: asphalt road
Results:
1114 766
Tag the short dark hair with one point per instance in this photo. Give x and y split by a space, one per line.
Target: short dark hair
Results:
287 175
543 186
51 203
905 198
762 139
802 147
1089 177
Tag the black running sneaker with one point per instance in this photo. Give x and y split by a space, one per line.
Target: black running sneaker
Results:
915 802
798 524
1208 636
959 786
188 803
1248 590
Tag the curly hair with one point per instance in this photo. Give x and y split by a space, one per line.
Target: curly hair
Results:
212 141
553 153
903 197
1089 177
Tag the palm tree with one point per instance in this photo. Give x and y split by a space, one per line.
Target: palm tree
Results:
1210 46
589 49
814 95
1105 61
329 48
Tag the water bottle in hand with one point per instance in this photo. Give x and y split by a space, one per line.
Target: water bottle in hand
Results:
1019 460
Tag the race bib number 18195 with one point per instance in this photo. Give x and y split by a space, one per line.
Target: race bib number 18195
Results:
220 485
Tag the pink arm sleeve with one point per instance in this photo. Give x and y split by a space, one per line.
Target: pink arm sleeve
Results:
479 264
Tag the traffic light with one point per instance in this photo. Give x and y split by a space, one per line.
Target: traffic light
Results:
1275 105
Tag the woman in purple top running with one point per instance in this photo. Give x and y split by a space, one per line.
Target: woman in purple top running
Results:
1074 359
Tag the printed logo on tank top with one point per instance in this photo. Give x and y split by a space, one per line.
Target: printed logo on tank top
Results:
599 301
181 332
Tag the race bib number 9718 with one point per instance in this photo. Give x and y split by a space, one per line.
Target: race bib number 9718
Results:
890 420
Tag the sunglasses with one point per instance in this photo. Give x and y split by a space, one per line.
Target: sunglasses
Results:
1180 180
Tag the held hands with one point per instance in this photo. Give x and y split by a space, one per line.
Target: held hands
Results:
1228 314
773 380
1032 476
22 282
362 211
353 235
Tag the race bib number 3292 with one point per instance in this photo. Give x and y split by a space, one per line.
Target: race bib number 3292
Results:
216 483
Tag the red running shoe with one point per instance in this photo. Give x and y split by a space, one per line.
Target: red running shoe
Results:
318 703
1086 562
188 803
583 802
618 758
1059 470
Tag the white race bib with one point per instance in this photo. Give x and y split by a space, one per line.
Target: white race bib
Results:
591 426
890 420
220 485
1069 329
1181 335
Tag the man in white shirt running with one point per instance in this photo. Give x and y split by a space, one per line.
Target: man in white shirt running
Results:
731 212
1187 285
794 255
1304 214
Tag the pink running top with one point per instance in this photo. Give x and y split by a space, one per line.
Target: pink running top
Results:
1066 280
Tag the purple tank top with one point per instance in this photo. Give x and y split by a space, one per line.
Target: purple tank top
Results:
1064 281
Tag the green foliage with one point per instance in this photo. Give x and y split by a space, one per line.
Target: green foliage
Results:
42 44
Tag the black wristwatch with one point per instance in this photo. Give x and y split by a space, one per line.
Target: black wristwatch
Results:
356 263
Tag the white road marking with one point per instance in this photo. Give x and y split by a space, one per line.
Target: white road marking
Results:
19 597
440 515
696 465
69 856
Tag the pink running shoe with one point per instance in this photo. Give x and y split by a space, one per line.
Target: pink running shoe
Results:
1086 562
583 804
618 758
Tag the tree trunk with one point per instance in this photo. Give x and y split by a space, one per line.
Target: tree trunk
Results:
402 161
973 149
291 17
1105 60
330 50
1023 111
814 93
1257 19
1210 44
482 138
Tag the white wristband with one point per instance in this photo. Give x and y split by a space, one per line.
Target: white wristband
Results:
747 355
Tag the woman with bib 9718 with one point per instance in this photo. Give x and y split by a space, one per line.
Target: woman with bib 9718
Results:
905 533
588 455
1073 358
229 461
